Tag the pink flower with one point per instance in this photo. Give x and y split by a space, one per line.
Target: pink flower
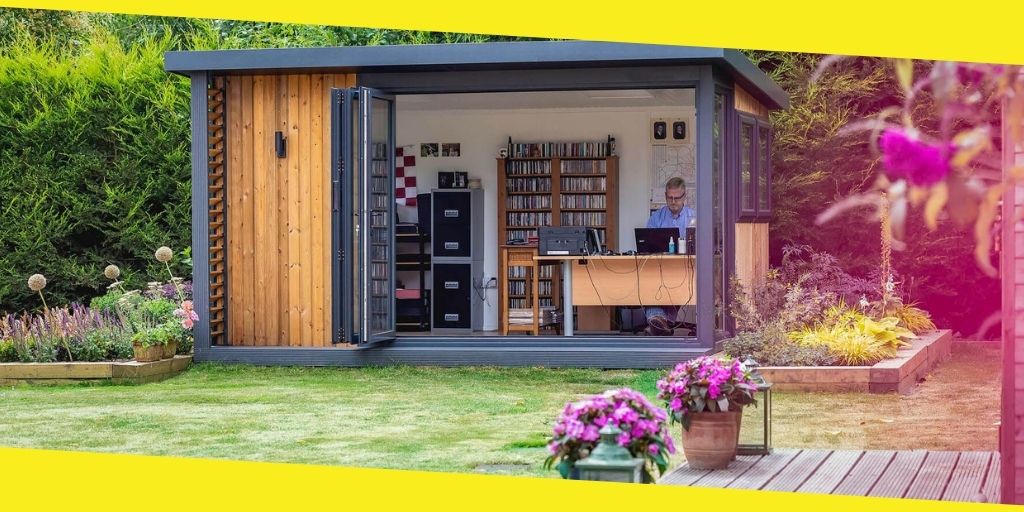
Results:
624 439
653 449
590 434
906 157
676 404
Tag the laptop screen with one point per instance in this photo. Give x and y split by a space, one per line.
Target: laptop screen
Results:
654 240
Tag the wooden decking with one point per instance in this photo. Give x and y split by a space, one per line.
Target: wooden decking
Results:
946 476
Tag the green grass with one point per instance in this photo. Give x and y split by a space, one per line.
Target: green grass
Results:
447 419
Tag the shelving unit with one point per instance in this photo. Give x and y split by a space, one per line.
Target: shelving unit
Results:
413 314
381 226
550 191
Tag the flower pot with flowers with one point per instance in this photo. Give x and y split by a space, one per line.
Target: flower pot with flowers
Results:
148 344
707 396
644 431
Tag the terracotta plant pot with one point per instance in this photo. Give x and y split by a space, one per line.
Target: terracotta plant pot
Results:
169 349
148 354
711 441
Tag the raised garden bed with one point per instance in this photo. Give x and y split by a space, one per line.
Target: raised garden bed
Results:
892 375
118 372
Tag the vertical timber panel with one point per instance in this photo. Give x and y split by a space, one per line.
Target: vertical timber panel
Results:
316 161
751 253
259 178
281 108
744 102
234 207
305 227
247 231
272 257
278 209
294 245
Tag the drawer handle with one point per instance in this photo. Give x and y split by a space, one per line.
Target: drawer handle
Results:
451 213
451 317
451 246
451 285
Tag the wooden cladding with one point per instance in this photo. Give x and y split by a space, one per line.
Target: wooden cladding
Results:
215 165
279 209
751 254
746 103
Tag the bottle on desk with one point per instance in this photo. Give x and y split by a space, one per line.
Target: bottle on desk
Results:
681 246
671 245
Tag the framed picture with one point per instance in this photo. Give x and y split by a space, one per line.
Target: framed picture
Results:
451 149
428 149
680 130
659 131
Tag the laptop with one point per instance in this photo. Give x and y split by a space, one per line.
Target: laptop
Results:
654 240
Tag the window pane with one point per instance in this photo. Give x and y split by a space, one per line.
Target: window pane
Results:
746 167
764 164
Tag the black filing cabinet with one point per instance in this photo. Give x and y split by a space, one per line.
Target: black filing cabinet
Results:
457 260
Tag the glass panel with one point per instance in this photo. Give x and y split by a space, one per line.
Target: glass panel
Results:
763 166
718 219
746 167
356 253
381 211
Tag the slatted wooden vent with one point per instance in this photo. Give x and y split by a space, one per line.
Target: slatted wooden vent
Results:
217 216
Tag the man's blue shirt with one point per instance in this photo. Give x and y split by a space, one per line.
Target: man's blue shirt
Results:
663 218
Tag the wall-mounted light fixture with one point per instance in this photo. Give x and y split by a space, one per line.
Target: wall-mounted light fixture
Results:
279 144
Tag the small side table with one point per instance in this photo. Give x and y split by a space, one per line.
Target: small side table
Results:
764 447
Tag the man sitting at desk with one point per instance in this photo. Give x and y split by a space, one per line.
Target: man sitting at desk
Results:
675 214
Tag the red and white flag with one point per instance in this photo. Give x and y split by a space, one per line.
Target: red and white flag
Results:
405 178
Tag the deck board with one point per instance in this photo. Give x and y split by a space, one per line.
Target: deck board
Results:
724 477
993 480
899 475
865 474
968 476
765 469
931 480
947 476
797 472
831 472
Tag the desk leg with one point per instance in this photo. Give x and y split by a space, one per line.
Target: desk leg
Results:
567 296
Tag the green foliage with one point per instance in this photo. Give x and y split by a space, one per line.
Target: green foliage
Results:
855 338
913 318
772 347
816 163
8 354
150 336
106 303
94 163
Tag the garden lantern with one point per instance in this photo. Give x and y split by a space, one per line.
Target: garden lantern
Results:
764 447
610 462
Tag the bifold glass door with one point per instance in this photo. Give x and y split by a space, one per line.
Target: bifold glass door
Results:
364 214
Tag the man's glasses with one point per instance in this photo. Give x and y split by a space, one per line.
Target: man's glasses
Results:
675 198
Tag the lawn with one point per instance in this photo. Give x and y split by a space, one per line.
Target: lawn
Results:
453 419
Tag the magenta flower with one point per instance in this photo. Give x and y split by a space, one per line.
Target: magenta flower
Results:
676 404
590 434
624 439
906 157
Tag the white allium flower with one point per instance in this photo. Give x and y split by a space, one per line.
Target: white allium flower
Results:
36 282
112 272
164 254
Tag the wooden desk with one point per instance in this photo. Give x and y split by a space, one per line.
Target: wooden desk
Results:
627 280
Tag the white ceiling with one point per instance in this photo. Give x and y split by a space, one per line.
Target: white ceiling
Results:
547 99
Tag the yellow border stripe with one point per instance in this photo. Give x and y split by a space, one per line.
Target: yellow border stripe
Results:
36 479
980 31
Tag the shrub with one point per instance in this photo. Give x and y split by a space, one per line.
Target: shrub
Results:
913 318
106 303
855 338
94 165
62 334
644 430
772 347
7 352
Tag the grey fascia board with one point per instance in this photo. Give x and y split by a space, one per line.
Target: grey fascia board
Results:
475 56
433 56
756 81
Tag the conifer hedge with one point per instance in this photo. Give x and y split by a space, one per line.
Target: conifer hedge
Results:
94 166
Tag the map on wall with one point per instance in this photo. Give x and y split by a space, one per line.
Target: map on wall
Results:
668 162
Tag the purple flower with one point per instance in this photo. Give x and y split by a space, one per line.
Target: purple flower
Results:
623 439
590 434
676 404
653 449
906 157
